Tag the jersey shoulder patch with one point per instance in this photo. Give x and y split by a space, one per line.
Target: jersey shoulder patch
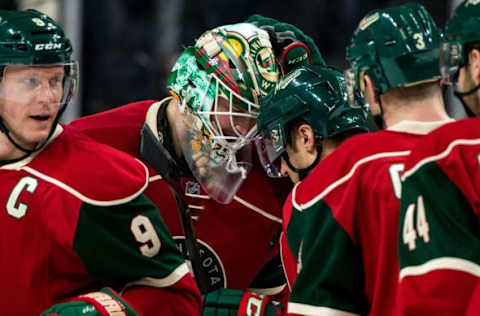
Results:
93 172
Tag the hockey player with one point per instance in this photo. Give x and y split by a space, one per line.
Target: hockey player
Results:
217 84
305 119
348 255
439 244
76 226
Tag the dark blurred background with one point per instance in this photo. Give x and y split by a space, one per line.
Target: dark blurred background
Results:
127 47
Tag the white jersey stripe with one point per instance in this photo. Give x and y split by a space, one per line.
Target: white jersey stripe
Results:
172 278
345 178
305 309
445 153
268 291
449 263
256 209
83 197
155 178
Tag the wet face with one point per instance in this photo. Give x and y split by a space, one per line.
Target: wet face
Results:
29 102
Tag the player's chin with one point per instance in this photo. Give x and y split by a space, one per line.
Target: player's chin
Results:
38 136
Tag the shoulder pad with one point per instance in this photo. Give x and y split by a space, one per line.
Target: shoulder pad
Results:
343 164
442 141
93 172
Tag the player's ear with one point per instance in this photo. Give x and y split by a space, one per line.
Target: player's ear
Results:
369 91
305 131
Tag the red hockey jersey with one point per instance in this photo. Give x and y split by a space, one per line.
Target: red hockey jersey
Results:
75 219
439 236
347 257
236 240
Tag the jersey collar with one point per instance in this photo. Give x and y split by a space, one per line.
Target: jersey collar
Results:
18 164
417 127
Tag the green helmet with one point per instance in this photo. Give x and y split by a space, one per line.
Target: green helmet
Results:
462 28
396 47
31 38
315 94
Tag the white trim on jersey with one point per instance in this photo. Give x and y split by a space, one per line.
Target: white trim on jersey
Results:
268 291
151 115
172 278
445 153
19 164
256 209
416 127
345 178
305 309
83 197
283 263
236 198
155 178
197 196
449 263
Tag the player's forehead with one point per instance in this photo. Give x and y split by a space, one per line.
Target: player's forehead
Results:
25 70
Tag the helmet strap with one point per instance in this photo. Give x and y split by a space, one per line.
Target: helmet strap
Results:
460 96
28 152
303 172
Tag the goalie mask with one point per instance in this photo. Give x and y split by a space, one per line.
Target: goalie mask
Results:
219 82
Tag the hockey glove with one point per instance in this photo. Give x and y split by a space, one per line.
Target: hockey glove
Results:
228 302
105 302
291 46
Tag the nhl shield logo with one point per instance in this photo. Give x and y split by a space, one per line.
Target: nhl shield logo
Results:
192 188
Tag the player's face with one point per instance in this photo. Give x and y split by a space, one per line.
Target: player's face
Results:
466 82
227 123
298 157
286 171
29 102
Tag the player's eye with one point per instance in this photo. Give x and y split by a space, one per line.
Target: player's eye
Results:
31 82
55 81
